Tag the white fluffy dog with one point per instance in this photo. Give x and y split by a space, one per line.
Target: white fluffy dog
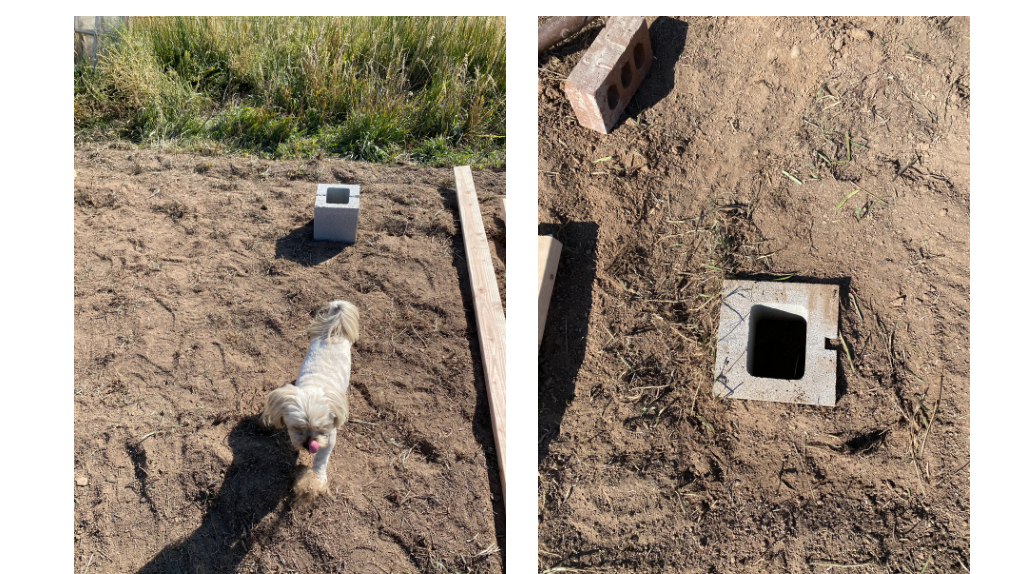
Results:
315 405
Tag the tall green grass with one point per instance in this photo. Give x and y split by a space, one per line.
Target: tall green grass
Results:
428 90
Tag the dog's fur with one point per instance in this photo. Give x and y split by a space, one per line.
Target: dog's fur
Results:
315 406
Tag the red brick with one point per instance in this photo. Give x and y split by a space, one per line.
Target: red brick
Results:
602 84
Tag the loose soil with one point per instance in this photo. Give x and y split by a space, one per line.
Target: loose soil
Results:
641 469
194 280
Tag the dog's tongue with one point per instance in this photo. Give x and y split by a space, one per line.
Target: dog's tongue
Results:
313 446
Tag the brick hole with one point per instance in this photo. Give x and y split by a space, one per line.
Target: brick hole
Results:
612 97
338 195
626 75
639 56
776 344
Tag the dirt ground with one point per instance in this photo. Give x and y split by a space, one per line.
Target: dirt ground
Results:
641 469
194 279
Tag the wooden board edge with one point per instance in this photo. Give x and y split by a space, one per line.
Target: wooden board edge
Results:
489 314
549 260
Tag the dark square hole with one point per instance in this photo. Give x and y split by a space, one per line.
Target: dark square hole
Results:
776 344
338 195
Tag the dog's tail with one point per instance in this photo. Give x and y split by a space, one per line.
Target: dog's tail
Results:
336 319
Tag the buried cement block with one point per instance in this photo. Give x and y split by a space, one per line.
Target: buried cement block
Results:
771 345
336 212
602 84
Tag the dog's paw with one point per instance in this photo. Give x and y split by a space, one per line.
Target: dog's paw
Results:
308 486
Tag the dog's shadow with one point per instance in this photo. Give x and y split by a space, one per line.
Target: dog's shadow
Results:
257 480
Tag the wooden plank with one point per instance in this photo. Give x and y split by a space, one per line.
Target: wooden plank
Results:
549 259
503 209
489 316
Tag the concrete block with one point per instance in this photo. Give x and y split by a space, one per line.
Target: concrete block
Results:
771 345
602 84
336 212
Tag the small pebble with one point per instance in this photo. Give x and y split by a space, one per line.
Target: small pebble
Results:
838 43
795 51
81 480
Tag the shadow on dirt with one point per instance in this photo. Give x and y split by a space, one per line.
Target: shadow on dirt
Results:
668 37
563 343
256 481
298 246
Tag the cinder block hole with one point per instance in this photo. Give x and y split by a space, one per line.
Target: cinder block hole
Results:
639 56
612 97
776 343
626 75
338 195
